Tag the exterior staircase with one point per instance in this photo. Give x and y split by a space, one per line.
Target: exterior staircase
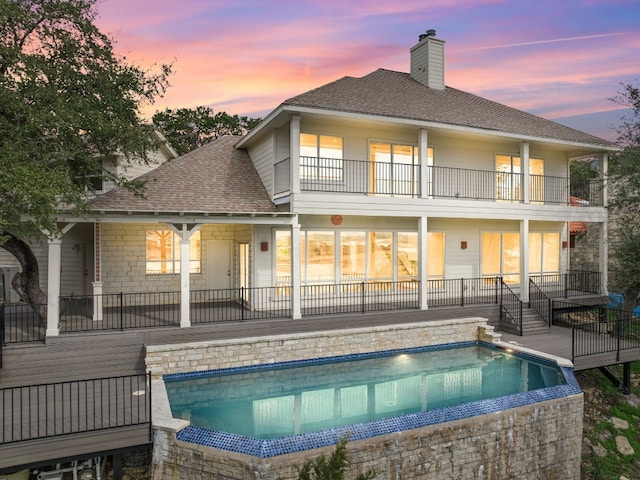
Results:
532 323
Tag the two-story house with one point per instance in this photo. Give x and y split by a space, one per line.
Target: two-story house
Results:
383 189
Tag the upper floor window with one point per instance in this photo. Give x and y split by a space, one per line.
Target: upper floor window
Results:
320 157
163 252
395 169
509 178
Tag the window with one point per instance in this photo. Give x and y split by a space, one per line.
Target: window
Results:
396 169
163 252
407 259
320 257
509 178
435 255
380 256
356 256
320 157
501 256
544 253
283 257
353 246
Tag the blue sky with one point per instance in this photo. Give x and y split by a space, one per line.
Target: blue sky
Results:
561 59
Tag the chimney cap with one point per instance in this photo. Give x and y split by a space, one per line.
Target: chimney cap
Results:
429 33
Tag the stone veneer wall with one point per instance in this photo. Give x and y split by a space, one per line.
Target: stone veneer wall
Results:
539 441
242 352
542 440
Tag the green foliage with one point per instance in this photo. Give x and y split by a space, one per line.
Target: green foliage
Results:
612 465
189 128
331 468
67 105
624 181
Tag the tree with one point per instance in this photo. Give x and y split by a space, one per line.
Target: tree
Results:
331 468
624 178
67 103
189 128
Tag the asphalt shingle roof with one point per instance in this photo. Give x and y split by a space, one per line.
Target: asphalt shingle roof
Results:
396 94
213 178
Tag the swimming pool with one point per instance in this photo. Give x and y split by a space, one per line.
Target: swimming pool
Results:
272 409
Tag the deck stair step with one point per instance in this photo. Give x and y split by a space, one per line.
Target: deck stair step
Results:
533 323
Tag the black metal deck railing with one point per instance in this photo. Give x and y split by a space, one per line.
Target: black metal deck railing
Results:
359 297
399 179
211 306
604 330
510 307
570 284
119 311
124 311
540 302
63 408
22 323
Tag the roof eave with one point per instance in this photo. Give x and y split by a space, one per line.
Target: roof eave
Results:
257 131
448 126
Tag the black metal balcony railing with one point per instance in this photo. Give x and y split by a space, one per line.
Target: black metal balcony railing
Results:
359 297
119 311
21 323
600 330
510 307
540 302
54 409
211 306
401 179
570 284
147 310
462 291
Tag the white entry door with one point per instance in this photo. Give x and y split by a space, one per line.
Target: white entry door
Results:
219 264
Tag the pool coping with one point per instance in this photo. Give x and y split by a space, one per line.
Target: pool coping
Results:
266 448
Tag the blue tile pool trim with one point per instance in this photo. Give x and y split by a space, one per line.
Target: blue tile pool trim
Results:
279 446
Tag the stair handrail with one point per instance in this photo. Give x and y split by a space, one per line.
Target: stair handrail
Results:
510 305
540 302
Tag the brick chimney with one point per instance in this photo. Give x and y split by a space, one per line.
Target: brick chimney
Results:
427 61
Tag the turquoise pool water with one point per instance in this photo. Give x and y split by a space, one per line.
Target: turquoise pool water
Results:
293 398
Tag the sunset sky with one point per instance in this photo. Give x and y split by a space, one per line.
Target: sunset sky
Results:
561 59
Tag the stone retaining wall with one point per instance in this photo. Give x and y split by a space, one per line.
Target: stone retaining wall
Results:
540 441
242 352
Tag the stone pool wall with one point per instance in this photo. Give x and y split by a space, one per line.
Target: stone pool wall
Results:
541 440
242 352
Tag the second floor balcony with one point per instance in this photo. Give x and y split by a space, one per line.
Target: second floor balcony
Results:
407 180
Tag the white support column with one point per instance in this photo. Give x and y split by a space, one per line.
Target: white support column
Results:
423 156
53 287
524 260
97 272
296 309
603 257
423 258
604 173
294 156
524 165
185 252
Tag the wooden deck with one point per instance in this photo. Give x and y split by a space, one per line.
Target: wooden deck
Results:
93 355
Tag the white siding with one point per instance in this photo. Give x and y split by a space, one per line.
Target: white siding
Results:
262 157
